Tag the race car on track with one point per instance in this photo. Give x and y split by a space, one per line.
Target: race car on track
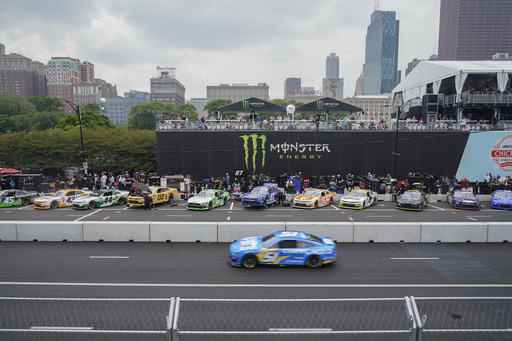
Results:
502 199
208 199
59 199
358 199
101 198
412 200
314 198
17 197
261 196
157 195
463 199
283 248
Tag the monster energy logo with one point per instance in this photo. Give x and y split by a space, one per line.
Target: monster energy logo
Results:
245 105
319 105
253 140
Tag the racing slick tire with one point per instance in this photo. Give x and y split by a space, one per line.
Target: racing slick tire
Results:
92 204
54 204
25 201
249 261
121 201
314 262
286 204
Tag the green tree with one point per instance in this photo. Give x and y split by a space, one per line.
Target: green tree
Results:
285 103
45 103
188 110
144 116
212 106
90 119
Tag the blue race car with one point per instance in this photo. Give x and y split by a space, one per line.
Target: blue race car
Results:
261 196
502 199
283 248
463 199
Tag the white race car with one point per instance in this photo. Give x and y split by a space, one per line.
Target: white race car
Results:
358 199
59 199
102 198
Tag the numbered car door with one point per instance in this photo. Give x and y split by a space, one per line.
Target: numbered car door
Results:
271 195
282 252
70 196
8 199
107 198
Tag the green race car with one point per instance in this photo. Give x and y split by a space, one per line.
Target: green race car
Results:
18 197
208 199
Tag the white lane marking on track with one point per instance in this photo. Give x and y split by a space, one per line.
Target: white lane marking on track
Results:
316 285
90 214
231 206
414 258
439 208
229 218
334 206
109 257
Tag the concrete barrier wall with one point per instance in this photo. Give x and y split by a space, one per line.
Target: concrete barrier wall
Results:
454 232
51 231
115 231
183 232
345 232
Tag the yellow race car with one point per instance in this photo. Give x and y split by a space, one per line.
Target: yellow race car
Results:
157 195
59 199
314 198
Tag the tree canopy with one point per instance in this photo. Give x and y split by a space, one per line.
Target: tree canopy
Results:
212 106
90 119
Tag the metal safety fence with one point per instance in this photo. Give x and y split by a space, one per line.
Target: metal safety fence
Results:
185 319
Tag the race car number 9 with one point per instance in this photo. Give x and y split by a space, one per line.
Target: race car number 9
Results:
270 257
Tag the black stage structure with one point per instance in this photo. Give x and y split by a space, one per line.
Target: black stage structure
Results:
205 153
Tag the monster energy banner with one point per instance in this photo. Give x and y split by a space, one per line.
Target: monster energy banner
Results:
204 154
252 104
327 104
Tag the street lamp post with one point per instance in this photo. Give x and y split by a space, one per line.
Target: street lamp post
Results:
79 112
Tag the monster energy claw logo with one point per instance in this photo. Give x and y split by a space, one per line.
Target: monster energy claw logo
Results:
254 139
319 105
245 105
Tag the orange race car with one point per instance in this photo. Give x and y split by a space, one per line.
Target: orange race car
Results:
314 198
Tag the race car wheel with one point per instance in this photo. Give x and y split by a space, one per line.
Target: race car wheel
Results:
314 262
121 201
210 206
54 204
25 201
249 261
316 204
92 204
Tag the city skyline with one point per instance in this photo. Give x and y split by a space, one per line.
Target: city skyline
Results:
126 40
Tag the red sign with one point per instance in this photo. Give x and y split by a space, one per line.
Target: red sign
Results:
501 154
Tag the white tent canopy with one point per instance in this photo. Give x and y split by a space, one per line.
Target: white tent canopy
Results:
434 73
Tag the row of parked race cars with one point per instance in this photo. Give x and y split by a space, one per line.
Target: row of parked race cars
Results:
262 196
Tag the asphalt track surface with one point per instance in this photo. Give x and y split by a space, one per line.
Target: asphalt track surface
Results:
235 212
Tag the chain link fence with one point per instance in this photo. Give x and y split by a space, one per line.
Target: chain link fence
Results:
184 319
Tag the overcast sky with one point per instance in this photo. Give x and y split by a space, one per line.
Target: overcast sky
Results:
213 42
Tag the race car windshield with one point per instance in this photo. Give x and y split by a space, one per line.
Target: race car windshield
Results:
97 193
311 193
314 238
503 195
269 241
261 190
467 195
59 194
357 194
205 194
411 195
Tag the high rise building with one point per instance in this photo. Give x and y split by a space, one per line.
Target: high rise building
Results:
474 29
332 66
237 92
20 76
62 73
332 84
291 85
134 97
166 88
381 59
200 103
114 110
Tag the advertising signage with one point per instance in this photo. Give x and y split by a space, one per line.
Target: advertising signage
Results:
204 154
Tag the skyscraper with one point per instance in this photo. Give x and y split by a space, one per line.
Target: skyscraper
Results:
291 85
381 60
166 88
474 29
332 83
